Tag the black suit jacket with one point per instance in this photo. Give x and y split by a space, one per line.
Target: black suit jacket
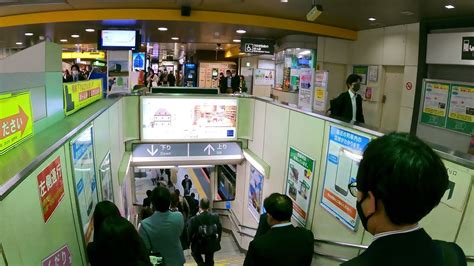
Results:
283 246
342 107
409 249
205 218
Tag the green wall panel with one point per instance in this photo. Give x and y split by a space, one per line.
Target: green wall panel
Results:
245 116
131 117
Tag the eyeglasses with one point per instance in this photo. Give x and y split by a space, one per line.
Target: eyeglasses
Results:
353 188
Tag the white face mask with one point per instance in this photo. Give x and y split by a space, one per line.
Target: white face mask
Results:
75 72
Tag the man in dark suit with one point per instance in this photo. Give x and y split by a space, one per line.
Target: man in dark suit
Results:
348 105
283 244
204 232
393 195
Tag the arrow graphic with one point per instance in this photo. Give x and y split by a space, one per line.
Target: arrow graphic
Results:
208 149
14 123
152 152
451 189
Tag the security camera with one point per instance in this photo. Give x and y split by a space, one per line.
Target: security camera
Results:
314 13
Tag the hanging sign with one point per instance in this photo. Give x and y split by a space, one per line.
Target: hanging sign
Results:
257 46
16 119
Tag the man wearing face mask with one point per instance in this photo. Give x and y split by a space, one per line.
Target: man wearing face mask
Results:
75 74
399 181
348 105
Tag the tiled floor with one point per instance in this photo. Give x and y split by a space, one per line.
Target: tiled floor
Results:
228 255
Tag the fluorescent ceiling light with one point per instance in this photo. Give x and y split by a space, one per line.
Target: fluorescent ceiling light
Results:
237 41
75 36
372 19
90 30
162 29
29 34
284 1
19 43
174 38
241 31
63 40
449 6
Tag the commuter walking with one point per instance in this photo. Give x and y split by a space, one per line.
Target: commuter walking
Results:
193 204
283 244
177 206
161 231
171 79
393 195
187 185
204 232
348 105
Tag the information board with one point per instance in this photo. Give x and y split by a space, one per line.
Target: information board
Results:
80 94
255 200
461 109
16 119
435 104
344 153
299 183
185 119
362 71
305 93
82 151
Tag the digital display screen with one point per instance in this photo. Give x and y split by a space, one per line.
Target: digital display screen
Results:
118 39
185 119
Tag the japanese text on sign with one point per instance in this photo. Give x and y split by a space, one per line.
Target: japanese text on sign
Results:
51 188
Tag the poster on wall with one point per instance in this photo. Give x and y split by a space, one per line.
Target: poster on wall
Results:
467 48
299 183
82 150
344 153
373 73
321 91
286 78
305 94
50 188
362 71
264 77
435 103
294 79
105 173
461 109
185 119
255 200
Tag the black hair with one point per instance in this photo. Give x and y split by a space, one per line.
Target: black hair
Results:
103 210
161 199
353 78
186 176
279 206
193 195
148 193
119 243
174 199
177 192
204 204
75 66
405 174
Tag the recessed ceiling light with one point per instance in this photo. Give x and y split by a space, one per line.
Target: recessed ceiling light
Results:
90 30
449 6
372 19
241 31
284 1
162 29
174 38
237 41
29 34
75 36
19 43
63 40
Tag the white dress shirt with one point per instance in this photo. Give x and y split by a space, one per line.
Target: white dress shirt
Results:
282 225
389 233
354 104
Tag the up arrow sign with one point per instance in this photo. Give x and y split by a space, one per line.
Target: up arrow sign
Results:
209 148
152 152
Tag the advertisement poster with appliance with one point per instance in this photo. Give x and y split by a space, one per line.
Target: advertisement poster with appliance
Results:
188 119
264 77
461 109
105 173
321 91
344 154
299 183
305 94
255 200
82 150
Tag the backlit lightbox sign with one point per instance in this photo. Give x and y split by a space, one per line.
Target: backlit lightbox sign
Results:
257 46
188 119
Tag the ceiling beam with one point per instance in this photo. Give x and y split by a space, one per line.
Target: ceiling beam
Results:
175 15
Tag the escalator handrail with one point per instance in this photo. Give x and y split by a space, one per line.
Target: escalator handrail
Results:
341 244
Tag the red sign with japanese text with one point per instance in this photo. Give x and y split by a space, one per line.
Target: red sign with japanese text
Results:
51 188
61 257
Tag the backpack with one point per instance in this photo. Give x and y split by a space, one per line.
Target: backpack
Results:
207 233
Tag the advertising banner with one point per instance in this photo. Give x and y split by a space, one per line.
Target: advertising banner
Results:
185 119
321 91
264 77
105 173
435 104
344 153
82 151
80 94
305 94
299 183
51 188
16 119
61 257
461 109
255 201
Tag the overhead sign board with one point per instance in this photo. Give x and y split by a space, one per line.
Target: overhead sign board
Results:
78 95
257 46
161 150
16 119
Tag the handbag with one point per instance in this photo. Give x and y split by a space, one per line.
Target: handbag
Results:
156 259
